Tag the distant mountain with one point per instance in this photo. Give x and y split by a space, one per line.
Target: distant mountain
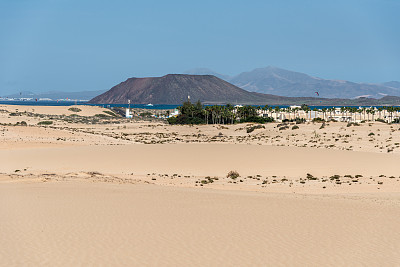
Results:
272 80
276 81
175 89
393 84
205 71
54 95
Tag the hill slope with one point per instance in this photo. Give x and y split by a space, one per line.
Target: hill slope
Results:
271 80
175 89
276 81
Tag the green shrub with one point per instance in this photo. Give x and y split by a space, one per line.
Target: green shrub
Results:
318 120
300 120
75 109
110 113
295 127
101 115
352 124
252 128
184 119
257 119
22 123
45 122
311 177
146 114
232 175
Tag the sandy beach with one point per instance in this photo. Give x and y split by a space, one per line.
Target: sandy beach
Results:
90 189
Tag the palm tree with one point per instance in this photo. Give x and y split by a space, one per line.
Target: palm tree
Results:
288 110
330 111
356 110
315 112
390 110
296 113
397 109
323 113
372 111
380 110
277 109
308 110
270 111
368 112
342 109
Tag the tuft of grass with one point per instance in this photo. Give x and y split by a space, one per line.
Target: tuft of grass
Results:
353 124
232 175
22 123
101 115
110 113
75 109
252 128
311 177
45 122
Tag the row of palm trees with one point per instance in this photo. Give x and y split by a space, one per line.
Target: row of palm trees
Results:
217 114
347 113
229 114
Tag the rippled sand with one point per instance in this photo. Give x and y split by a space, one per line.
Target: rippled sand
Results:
78 223
119 193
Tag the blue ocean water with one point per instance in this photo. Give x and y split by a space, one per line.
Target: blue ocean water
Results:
70 103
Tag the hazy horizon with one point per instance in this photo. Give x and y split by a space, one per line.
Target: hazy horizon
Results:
74 46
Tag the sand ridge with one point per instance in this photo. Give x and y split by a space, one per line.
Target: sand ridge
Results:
84 224
103 190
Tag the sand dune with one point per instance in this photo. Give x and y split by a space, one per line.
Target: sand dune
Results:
200 159
55 110
69 224
93 190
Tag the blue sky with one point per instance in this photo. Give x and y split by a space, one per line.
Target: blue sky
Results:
70 45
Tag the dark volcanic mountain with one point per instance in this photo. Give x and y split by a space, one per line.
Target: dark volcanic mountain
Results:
276 81
175 89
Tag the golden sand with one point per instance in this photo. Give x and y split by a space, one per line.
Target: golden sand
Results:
151 194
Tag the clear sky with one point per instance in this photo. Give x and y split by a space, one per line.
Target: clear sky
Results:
75 45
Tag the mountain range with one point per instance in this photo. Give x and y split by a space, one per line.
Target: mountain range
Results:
209 89
175 89
270 85
54 95
277 81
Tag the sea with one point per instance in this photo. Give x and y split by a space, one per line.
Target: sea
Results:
143 106
72 103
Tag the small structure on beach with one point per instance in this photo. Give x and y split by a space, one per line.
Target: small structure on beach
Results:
128 113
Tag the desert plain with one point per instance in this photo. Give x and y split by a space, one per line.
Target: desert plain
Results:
85 187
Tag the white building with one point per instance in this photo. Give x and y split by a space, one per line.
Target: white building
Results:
128 114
